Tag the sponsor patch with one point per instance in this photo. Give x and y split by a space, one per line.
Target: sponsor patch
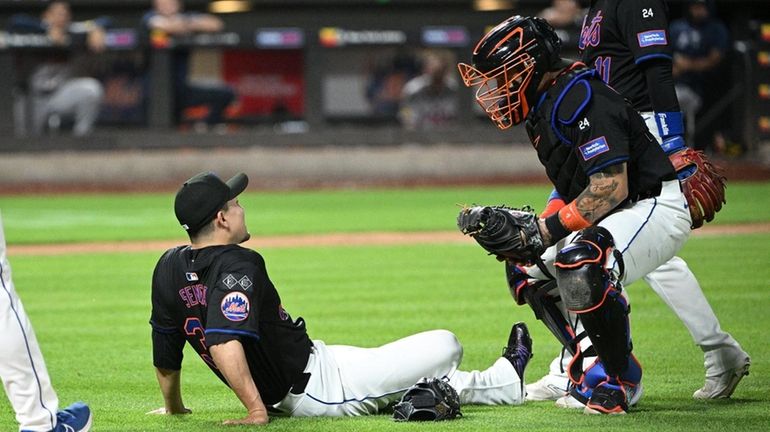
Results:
245 283
230 281
594 148
191 276
652 37
235 306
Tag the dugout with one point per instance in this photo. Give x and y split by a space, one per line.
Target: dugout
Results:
301 69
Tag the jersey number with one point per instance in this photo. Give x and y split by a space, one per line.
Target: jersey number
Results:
193 327
602 65
647 13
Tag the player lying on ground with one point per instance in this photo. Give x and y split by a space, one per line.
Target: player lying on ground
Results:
217 296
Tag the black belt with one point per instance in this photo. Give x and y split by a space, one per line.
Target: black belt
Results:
299 386
652 193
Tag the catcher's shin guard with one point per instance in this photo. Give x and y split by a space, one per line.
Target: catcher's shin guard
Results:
590 291
540 296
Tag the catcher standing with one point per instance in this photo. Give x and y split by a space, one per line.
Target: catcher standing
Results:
217 296
626 214
626 41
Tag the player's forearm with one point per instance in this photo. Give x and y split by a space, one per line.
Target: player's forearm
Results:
231 361
605 191
170 387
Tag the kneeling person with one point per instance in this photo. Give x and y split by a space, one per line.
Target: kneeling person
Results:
625 202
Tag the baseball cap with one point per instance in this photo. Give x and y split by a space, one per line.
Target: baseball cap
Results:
202 196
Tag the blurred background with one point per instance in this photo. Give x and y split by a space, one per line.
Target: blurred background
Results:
140 94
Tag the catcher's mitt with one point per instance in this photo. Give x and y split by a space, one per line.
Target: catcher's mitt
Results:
430 399
506 232
702 184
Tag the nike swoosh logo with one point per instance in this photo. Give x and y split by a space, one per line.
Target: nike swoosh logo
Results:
536 141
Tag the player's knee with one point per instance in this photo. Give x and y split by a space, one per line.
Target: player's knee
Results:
581 274
90 90
448 345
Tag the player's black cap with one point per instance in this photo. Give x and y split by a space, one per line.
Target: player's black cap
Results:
202 196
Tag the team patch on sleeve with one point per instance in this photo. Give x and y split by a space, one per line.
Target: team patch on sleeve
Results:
231 281
235 306
652 37
594 148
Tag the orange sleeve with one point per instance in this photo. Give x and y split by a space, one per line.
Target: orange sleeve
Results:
552 207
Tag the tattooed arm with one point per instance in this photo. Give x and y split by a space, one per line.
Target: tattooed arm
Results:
606 189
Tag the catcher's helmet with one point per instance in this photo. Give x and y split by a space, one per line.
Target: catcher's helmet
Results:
508 64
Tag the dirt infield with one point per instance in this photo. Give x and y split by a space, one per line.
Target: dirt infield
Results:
320 240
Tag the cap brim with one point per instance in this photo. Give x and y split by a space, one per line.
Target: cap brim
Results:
237 184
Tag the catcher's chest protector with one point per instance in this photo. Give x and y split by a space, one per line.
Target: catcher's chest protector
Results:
545 127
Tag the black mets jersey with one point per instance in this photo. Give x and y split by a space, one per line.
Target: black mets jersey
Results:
216 294
580 126
618 35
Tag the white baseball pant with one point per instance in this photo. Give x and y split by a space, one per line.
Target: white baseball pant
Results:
353 381
677 286
22 367
647 233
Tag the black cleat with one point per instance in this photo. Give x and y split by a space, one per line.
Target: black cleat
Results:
607 399
519 349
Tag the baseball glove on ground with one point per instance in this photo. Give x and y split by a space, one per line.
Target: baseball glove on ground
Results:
506 232
702 184
430 399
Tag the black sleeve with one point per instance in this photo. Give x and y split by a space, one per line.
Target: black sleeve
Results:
167 340
644 25
233 304
167 349
660 83
161 318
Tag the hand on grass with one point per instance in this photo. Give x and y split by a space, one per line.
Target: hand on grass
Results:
164 411
254 418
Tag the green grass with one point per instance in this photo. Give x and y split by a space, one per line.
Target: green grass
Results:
102 217
90 312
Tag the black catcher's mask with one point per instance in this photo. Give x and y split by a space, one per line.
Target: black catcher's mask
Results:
508 64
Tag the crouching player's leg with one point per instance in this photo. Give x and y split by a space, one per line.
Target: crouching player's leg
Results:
588 289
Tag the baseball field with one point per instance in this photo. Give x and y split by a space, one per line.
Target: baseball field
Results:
365 267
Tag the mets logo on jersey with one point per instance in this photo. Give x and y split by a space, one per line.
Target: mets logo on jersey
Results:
652 37
235 306
594 148
590 35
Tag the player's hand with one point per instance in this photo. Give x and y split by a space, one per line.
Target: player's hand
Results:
164 411
257 418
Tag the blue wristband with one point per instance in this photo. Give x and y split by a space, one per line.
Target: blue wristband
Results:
669 124
670 128
673 144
